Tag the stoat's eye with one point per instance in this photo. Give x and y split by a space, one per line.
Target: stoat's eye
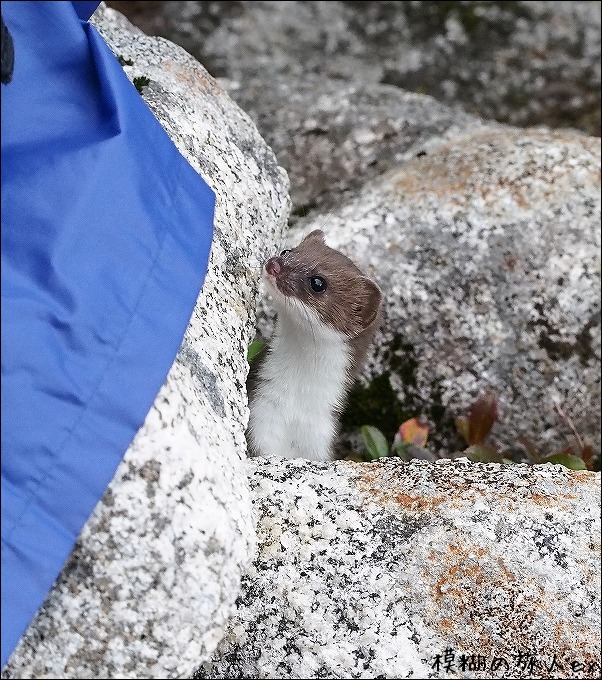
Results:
284 252
317 283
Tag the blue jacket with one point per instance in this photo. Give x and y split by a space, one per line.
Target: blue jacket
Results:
106 232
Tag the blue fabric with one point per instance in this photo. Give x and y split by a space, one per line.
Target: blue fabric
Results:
106 232
85 8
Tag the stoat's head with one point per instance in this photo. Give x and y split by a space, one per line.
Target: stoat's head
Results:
317 278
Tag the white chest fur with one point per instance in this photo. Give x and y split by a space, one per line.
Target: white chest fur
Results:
303 382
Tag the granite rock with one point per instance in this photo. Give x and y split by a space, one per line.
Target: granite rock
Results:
333 136
486 244
522 323
485 241
154 575
522 63
382 569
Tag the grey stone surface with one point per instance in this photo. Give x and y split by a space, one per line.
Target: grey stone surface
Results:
333 136
156 570
372 570
523 63
487 249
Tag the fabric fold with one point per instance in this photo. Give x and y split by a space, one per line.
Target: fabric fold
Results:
106 234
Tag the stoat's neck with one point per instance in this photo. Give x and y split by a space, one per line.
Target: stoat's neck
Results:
318 357
302 384
304 376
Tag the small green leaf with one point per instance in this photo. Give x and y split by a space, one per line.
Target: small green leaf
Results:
566 459
463 428
254 349
375 442
481 453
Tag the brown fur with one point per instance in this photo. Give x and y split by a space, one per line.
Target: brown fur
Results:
351 303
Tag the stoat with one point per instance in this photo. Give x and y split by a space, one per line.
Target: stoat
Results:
328 312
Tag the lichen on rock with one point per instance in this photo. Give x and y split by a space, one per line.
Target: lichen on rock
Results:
378 569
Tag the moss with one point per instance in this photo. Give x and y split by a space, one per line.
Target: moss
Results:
437 412
427 19
444 435
401 357
140 82
466 14
377 404
374 404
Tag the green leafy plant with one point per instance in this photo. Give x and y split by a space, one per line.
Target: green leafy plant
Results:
409 442
564 457
140 82
375 442
475 429
255 348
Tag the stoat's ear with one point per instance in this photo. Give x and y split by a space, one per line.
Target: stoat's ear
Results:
316 234
372 299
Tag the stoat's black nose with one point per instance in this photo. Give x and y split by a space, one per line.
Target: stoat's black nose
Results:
273 266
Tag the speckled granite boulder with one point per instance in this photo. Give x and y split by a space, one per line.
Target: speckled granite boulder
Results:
155 573
333 136
486 244
387 569
485 240
524 63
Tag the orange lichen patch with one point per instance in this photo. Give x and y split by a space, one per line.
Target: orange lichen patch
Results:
476 596
547 501
194 76
402 500
379 490
484 606
466 567
416 503
576 478
509 575
460 550
389 487
464 168
433 177
446 624
510 261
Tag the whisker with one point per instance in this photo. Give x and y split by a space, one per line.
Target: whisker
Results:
327 220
